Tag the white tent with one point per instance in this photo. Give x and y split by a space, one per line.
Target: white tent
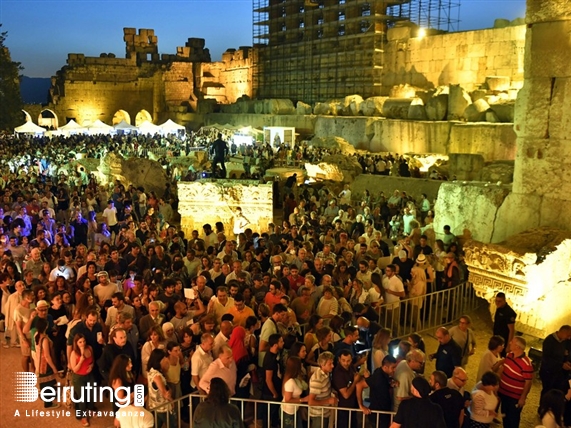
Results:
72 128
125 127
149 128
30 128
99 127
170 127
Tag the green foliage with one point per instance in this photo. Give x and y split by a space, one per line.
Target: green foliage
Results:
10 100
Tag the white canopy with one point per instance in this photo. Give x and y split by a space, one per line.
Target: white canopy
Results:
99 127
125 127
149 128
171 127
72 127
30 128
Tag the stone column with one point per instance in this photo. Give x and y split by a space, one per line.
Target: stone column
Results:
542 179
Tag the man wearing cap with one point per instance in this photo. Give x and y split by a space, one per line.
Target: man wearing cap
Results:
105 289
419 411
30 328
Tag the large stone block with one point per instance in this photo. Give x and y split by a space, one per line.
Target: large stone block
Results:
493 141
543 167
504 111
279 106
403 91
302 108
531 116
373 106
458 100
469 210
549 47
396 108
416 110
476 112
547 10
465 166
560 110
352 105
437 107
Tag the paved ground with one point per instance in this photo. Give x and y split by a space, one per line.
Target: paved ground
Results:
10 362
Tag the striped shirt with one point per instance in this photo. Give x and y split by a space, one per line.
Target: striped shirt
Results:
320 385
517 370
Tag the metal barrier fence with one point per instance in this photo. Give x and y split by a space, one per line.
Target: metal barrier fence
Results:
263 413
419 314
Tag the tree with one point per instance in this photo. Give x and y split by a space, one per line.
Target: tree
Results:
10 99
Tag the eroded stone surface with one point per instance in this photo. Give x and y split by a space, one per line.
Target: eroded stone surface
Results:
533 269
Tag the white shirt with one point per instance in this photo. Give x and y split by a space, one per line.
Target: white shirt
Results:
199 364
217 369
64 271
110 214
393 284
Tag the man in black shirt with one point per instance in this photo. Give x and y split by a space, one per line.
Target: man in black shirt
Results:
169 298
450 400
448 354
504 321
381 392
419 411
272 388
404 265
555 365
344 380
220 150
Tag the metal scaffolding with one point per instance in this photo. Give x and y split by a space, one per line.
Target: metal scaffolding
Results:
313 50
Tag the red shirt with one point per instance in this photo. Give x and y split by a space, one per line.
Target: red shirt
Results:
272 299
517 370
296 283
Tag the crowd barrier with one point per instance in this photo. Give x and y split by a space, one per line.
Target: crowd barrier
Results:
263 413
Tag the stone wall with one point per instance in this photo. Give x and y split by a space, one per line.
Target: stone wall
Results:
493 141
465 58
205 201
231 78
542 178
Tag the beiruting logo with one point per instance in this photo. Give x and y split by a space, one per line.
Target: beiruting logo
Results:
26 391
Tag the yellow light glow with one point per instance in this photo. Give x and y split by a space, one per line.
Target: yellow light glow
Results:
421 33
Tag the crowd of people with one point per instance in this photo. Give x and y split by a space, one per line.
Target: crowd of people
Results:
97 283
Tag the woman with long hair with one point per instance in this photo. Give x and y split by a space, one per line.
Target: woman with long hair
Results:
552 409
121 376
314 323
216 409
293 388
380 347
324 336
81 362
45 361
159 396
44 275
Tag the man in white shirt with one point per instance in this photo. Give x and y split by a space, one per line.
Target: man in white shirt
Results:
110 216
201 360
223 367
394 290
222 337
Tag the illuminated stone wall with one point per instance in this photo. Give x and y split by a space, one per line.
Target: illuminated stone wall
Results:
464 58
209 201
533 269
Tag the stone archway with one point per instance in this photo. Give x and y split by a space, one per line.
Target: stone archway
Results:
121 115
48 119
143 116
26 116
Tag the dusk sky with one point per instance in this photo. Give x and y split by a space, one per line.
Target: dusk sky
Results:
42 33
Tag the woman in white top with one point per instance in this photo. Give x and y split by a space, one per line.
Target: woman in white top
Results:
294 387
484 401
491 360
551 408
156 341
